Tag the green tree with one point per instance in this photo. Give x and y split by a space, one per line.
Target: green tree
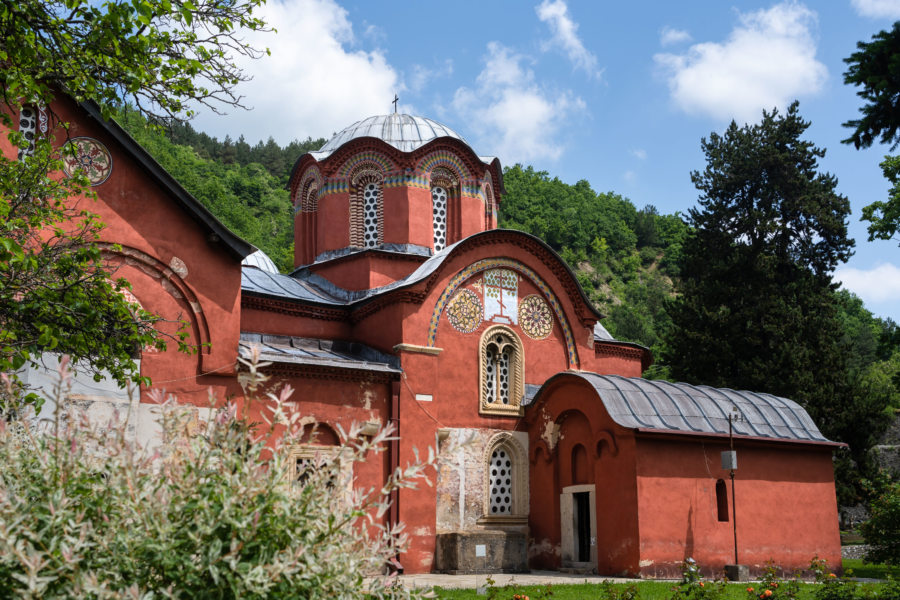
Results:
167 57
875 67
882 530
757 309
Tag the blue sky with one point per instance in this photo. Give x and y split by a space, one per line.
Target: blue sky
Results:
619 94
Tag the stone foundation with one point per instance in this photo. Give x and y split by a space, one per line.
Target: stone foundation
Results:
460 553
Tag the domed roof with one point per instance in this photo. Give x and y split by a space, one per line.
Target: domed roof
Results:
261 261
404 132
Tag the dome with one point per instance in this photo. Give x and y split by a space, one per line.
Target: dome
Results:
261 261
404 132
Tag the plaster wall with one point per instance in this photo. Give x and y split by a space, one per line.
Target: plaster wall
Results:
785 500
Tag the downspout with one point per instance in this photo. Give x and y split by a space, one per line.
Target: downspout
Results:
394 462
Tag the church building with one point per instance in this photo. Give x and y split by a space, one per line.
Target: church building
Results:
407 305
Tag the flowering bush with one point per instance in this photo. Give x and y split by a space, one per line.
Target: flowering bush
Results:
694 587
84 513
773 587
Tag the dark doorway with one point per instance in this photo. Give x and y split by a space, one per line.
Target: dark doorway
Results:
583 525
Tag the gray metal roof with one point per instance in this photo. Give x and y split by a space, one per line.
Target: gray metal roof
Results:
643 404
404 132
260 260
320 353
601 333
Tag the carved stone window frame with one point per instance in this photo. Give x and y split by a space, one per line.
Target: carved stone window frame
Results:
448 180
360 178
489 404
520 502
322 455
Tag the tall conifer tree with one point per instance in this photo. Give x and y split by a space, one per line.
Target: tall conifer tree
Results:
756 308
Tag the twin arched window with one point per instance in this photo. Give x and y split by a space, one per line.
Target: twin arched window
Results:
28 128
502 372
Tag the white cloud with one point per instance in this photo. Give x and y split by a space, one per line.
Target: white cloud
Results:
629 176
878 9
768 60
513 117
878 284
639 153
422 75
565 35
669 36
315 82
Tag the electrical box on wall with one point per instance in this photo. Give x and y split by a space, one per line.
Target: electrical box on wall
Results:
729 460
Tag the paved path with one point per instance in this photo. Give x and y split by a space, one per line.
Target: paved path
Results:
430 580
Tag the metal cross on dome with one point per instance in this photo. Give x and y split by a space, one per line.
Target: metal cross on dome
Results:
395 103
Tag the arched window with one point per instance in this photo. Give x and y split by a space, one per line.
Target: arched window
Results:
444 186
502 374
28 128
366 209
722 500
506 480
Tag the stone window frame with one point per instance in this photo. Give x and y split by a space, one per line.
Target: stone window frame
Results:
448 180
520 501
362 177
488 404
296 452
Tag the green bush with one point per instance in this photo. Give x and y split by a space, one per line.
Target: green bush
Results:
882 530
211 513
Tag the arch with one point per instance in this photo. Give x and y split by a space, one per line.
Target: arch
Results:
490 207
505 485
366 206
501 372
171 282
445 159
375 160
445 207
580 466
492 263
319 434
305 200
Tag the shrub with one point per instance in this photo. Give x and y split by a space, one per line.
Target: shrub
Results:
882 530
694 587
209 514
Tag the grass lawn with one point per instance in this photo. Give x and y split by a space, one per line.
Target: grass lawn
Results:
647 590
870 571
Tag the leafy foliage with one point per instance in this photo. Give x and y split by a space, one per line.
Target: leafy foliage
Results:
884 215
247 198
56 292
211 513
876 67
166 56
882 530
624 258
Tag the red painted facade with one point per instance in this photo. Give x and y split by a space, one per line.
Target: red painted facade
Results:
654 505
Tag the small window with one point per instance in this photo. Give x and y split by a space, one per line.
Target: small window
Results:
439 216
28 128
722 500
505 481
502 377
371 202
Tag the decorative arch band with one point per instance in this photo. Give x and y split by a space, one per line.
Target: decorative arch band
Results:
493 263
442 158
313 175
383 162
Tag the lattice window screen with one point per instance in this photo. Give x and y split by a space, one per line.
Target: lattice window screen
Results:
28 128
439 208
501 482
370 205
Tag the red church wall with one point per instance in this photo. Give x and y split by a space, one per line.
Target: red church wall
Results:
786 506
570 415
367 270
333 222
175 271
396 215
259 320
471 219
421 216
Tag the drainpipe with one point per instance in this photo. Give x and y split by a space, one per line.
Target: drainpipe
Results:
394 462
